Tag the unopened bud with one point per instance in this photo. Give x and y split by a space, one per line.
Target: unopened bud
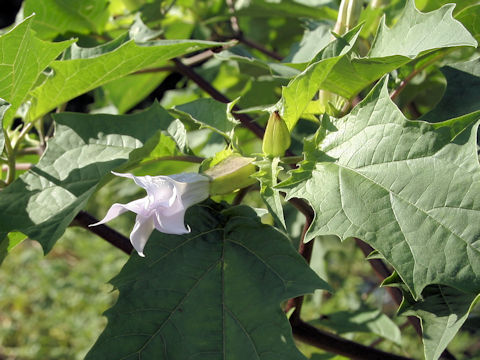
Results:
231 174
277 137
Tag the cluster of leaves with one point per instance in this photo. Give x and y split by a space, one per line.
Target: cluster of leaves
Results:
410 189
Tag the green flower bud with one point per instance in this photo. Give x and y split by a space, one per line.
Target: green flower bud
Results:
277 137
231 174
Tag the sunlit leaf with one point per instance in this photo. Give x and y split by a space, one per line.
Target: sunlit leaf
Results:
87 68
57 17
23 58
410 189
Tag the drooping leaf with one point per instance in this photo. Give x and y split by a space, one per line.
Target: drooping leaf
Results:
212 294
57 17
346 76
42 202
470 18
88 68
361 320
408 188
442 310
211 114
23 58
461 96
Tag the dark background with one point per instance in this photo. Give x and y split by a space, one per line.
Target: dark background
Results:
9 9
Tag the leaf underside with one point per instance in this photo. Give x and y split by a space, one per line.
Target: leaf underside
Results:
408 188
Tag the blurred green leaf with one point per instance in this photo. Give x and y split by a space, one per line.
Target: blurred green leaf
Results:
317 35
362 320
408 188
470 18
42 202
288 8
220 299
58 17
24 57
128 91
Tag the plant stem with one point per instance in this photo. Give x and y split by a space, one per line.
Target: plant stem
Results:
84 219
414 73
337 345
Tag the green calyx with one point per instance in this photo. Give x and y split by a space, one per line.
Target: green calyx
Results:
231 174
277 137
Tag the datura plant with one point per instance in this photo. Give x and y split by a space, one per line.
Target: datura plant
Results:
308 180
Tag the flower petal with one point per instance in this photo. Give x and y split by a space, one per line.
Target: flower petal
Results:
141 232
192 187
161 190
173 223
137 206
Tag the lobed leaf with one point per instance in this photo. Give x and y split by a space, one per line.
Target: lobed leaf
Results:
88 68
23 57
210 294
408 188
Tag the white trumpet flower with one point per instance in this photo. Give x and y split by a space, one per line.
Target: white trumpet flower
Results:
164 207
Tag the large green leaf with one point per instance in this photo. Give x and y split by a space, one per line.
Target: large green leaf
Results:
42 202
409 188
461 96
22 59
442 310
56 17
212 294
345 75
87 68
470 17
